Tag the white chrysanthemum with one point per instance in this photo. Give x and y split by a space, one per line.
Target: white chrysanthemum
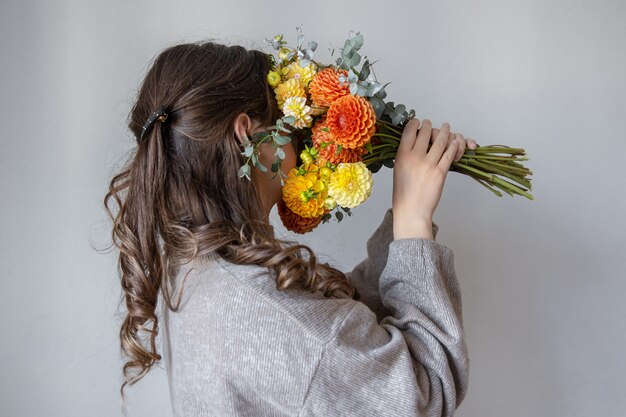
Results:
350 184
296 107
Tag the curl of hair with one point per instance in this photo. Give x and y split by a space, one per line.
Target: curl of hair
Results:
179 197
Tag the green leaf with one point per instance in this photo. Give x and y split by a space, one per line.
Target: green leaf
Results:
259 136
374 88
348 47
289 119
382 93
354 60
365 70
244 171
379 106
397 118
390 107
357 41
282 140
260 166
352 77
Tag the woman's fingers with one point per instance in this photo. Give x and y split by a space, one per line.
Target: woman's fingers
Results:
440 143
427 134
409 136
448 156
423 138
465 143
460 149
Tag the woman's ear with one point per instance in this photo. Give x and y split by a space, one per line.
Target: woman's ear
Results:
241 126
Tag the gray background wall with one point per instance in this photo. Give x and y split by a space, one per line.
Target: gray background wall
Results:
543 282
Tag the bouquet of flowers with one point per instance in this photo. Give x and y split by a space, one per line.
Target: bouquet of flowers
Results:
339 113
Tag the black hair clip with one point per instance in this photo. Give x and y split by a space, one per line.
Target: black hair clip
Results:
160 115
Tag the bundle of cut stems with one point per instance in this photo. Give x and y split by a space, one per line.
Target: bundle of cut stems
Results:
496 167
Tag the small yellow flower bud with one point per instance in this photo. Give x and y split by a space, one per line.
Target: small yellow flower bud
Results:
330 203
283 53
306 157
325 172
304 196
273 78
278 38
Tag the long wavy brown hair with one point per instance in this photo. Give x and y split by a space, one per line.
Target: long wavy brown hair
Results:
179 195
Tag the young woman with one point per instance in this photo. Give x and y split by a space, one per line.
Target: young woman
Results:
252 325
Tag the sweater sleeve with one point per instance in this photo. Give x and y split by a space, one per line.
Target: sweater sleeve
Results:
365 275
415 362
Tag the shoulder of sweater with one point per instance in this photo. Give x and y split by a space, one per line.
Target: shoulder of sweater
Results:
221 283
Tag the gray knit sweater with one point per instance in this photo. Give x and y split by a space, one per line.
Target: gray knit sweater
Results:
240 347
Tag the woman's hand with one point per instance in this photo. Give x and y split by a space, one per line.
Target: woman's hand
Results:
419 174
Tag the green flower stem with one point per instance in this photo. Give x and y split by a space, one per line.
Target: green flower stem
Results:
495 181
482 182
390 126
495 166
382 146
499 158
384 135
496 170
499 149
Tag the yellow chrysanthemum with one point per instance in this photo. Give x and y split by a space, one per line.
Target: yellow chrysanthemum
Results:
296 107
350 184
304 192
294 70
290 88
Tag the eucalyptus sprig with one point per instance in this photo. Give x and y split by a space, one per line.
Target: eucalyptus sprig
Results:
303 55
272 134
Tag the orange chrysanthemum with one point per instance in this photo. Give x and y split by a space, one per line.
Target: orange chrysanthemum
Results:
325 87
324 143
294 222
352 121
